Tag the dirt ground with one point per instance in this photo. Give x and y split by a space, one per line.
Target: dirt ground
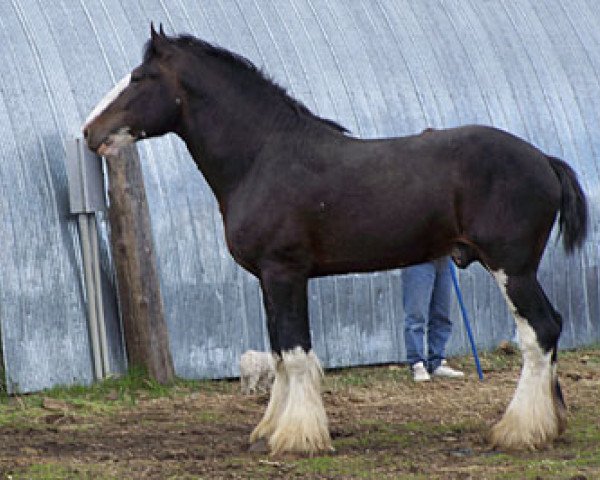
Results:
383 426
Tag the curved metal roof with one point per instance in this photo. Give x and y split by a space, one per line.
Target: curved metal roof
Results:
380 67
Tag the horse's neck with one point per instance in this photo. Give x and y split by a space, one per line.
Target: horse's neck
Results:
225 142
224 153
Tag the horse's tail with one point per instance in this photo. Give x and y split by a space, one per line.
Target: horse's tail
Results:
573 221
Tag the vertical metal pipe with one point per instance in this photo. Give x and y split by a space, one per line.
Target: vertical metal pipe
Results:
82 219
98 294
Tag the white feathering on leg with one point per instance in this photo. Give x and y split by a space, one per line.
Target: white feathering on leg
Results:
531 418
295 419
277 401
302 425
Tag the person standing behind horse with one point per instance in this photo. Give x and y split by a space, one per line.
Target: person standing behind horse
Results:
426 290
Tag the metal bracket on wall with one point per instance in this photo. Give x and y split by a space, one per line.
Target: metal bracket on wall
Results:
86 197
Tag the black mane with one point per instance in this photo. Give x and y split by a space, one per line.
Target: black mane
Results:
204 48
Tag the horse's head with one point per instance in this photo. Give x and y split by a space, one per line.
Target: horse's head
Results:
145 103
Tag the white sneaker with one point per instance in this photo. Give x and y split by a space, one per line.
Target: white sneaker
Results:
445 371
420 373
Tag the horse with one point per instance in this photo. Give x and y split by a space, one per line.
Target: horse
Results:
302 198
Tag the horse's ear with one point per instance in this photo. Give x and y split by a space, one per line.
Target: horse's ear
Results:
153 33
157 39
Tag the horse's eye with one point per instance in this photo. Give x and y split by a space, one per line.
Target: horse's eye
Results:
136 77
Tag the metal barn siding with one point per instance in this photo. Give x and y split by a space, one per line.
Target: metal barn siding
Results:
380 67
42 305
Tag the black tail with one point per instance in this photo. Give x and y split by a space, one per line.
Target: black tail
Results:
573 221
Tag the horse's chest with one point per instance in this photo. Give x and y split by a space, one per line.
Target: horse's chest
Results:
242 242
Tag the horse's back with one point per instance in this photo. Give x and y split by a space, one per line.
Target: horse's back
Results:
423 193
363 205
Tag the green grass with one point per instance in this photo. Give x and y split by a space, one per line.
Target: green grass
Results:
383 450
543 467
206 416
358 466
52 471
101 398
370 464
364 377
129 386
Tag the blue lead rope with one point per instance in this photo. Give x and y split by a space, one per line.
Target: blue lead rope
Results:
465 318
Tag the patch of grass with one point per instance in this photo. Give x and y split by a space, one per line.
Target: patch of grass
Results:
576 454
53 471
545 468
376 439
213 387
498 361
381 443
357 466
207 416
365 377
125 389
382 434
321 465
584 432
101 398
126 386
367 465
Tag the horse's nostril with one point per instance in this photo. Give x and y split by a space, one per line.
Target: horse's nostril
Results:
85 133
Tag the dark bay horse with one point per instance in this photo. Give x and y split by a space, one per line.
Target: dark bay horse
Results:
300 199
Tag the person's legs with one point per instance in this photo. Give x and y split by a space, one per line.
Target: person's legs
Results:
439 325
417 285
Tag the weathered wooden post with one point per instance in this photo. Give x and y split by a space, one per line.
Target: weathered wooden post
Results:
141 303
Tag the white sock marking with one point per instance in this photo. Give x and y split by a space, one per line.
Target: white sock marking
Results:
531 410
295 420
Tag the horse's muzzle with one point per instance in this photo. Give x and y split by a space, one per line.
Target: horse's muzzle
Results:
110 144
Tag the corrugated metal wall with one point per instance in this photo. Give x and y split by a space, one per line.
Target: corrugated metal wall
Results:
380 67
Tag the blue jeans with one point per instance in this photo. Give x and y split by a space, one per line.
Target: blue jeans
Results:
426 291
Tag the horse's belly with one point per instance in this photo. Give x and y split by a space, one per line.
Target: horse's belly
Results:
384 250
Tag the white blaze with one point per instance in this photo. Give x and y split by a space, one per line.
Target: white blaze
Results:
108 99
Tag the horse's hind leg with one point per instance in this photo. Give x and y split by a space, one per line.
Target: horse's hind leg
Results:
295 419
536 414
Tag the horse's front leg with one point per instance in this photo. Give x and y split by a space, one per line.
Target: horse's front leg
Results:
295 419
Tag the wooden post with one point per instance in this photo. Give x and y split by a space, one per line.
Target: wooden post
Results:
145 329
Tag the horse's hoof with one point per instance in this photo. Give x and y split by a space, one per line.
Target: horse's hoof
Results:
260 446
